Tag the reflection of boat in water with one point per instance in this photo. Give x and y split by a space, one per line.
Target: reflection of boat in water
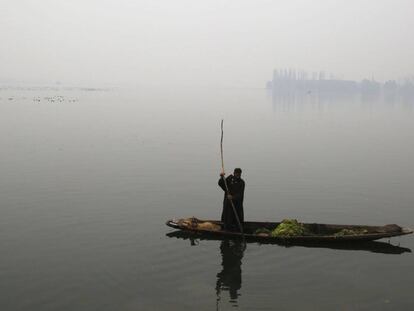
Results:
370 246
316 232
229 278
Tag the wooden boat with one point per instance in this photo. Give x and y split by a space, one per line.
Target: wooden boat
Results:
316 232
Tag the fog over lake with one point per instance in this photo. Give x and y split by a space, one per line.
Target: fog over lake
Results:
198 43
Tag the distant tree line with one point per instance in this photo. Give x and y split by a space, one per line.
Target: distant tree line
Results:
290 80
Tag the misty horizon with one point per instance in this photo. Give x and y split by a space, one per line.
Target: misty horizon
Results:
231 44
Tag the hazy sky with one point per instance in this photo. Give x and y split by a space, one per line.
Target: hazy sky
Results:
214 43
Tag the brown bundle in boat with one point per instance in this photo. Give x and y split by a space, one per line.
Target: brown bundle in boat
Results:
206 225
190 223
194 223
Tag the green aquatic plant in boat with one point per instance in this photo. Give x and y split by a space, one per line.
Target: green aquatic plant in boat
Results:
344 232
289 227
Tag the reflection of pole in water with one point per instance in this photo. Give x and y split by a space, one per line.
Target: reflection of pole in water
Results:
229 278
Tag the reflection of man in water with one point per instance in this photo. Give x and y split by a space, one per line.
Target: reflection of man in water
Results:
230 277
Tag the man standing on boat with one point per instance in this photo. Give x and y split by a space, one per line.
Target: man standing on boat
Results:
236 194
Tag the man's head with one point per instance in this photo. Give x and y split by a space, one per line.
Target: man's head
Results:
237 172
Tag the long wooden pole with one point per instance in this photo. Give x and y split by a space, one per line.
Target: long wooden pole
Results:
225 184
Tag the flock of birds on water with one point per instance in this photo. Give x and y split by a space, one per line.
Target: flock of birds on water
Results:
50 99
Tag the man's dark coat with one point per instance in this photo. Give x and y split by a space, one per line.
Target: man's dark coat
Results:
236 189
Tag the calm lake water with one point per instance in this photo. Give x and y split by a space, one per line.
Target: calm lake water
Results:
88 179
